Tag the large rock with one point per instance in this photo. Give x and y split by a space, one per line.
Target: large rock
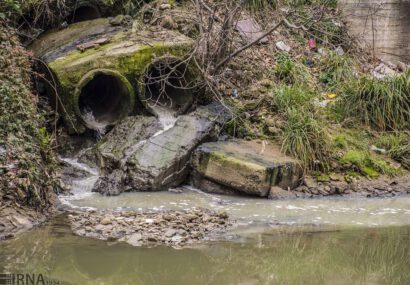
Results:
245 167
114 149
161 161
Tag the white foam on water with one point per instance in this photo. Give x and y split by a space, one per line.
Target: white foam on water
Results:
99 127
166 117
81 187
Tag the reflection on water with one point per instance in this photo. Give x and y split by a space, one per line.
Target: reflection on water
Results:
356 256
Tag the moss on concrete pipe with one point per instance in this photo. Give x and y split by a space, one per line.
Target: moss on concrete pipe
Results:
111 71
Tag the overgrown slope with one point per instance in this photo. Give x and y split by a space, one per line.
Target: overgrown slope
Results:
26 161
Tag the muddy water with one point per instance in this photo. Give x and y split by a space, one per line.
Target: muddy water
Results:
332 241
354 256
329 211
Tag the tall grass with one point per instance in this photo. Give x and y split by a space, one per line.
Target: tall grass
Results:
293 96
305 137
336 69
397 145
383 104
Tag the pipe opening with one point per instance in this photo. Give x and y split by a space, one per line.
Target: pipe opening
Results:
84 13
104 99
168 84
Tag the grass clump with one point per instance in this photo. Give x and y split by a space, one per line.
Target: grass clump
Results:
293 96
383 104
397 145
303 134
336 69
291 72
255 5
305 137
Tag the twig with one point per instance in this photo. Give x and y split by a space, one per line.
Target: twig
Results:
241 49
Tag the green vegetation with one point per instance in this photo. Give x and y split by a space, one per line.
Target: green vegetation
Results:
26 159
303 134
292 96
366 164
305 138
336 69
383 104
397 145
291 72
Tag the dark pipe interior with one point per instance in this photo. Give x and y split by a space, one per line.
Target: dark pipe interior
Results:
105 97
84 13
166 85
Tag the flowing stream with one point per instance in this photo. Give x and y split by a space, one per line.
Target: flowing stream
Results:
332 241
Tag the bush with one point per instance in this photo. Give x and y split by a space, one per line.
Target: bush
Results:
383 104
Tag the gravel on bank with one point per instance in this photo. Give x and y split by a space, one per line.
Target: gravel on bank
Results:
382 187
150 228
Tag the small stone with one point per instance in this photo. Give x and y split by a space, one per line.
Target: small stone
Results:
168 23
223 215
273 130
117 21
135 239
168 217
165 6
99 228
105 221
170 233
277 193
152 239
175 190
310 182
191 217
401 66
339 50
176 238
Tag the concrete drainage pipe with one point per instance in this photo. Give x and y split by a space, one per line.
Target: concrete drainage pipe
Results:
84 12
167 83
103 97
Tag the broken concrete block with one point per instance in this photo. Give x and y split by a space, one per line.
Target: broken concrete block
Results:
244 166
160 161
